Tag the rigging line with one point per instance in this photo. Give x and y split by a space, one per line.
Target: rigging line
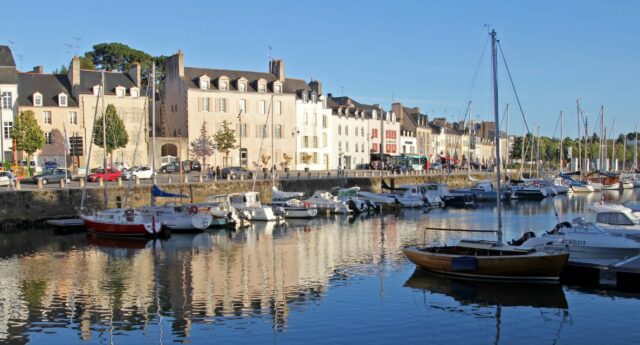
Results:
135 152
266 122
513 86
475 75
556 128
86 172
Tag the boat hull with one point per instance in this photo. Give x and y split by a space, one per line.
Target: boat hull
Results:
534 266
115 229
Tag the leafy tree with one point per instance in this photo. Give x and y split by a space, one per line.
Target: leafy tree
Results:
203 145
286 159
86 63
28 134
117 136
225 139
63 70
306 159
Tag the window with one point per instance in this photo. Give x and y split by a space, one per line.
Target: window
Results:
262 87
224 85
305 141
315 119
356 131
261 107
7 100
205 104
314 98
73 117
346 146
222 105
48 138
324 139
339 146
204 84
7 128
47 117
262 131
346 130
37 99
277 108
362 147
315 158
362 131
134 92
243 130
374 133
278 130
339 130
305 97
356 149
324 121
315 141
324 103
277 89
242 86
243 105
62 100
120 92
374 147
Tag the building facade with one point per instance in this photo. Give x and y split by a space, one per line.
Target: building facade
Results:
8 97
313 131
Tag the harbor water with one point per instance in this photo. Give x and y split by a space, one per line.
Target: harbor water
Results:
331 280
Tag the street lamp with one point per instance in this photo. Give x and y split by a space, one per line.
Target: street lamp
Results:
240 137
295 132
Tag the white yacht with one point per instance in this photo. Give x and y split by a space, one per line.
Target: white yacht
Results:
380 199
179 217
355 203
249 204
224 215
408 196
616 219
326 201
432 193
294 208
582 241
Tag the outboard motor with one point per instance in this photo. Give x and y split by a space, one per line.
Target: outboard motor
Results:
527 235
353 207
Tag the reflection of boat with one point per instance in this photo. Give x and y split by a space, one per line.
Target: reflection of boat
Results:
490 293
112 242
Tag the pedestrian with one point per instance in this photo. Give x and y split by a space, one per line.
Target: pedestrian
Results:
218 171
12 180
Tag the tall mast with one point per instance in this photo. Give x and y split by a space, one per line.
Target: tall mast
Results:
614 165
494 68
469 144
635 150
579 139
104 143
561 152
273 138
153 127
538 155
602 155
506 134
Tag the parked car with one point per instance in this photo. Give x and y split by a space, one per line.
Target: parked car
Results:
195 166
52 176
120 165
142 173
436 166
236 172
5 178
172 167
111 175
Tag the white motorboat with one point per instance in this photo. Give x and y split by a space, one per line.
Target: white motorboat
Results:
325 201
582 241
432 193
559 185
224 215
356 204
294 208
248 203
616 219
179 217
277 195
380 199
408 196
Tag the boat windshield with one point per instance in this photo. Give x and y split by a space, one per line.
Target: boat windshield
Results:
617 218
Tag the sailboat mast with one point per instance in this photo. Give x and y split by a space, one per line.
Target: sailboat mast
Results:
538 155
579 140
104 143
561 152
614 164
635 150
506 134
494 68
469 144
153 127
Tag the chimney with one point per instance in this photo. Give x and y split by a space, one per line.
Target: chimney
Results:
316 86
74 74
174 67
277 69
38 69
134 73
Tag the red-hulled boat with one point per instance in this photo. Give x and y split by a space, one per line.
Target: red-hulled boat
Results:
122 222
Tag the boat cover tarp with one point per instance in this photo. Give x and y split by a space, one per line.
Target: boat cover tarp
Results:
157 192
464 263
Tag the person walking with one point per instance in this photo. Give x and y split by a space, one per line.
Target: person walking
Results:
12 180
218 172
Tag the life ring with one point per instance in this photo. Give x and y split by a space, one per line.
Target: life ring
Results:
193 209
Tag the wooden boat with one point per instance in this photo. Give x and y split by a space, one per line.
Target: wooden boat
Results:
487 260
121 222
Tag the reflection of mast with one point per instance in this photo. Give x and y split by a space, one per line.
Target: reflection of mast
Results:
498 321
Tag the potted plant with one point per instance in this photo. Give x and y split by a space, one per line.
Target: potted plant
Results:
265 162
306 159
286 159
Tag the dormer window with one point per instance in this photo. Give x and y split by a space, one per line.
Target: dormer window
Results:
223 83
277 86
62 100
314 98
204 82
37 99
305 97
242 84
120 91
374 115
262 86
324 102
135 93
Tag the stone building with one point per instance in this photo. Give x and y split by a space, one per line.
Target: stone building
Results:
8 104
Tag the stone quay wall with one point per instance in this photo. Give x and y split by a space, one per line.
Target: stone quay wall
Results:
26 208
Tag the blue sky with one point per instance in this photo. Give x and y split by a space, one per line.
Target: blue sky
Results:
421 53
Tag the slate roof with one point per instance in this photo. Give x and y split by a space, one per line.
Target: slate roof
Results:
91 78
49 85
338 102
6 57
290 85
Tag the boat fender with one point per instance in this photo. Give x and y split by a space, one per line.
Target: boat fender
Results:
193 209
306 204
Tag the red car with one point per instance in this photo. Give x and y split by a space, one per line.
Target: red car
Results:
111 175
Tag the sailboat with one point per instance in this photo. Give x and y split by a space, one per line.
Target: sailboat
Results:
119 221
488 259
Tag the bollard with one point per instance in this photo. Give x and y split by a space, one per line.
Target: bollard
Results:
62 183
82 179
39 181
200 178
186 178
17 186
241 177
169 179
119 181
309 175
228 177
100 182
298 174
136 180
154 179
329 174
355 174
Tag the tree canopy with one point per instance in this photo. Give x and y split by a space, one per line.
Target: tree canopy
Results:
203 145
28 134
117 136
225 139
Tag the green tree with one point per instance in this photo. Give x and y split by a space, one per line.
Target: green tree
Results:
86 63
117 136
203 145
28 134
225 139
63 70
